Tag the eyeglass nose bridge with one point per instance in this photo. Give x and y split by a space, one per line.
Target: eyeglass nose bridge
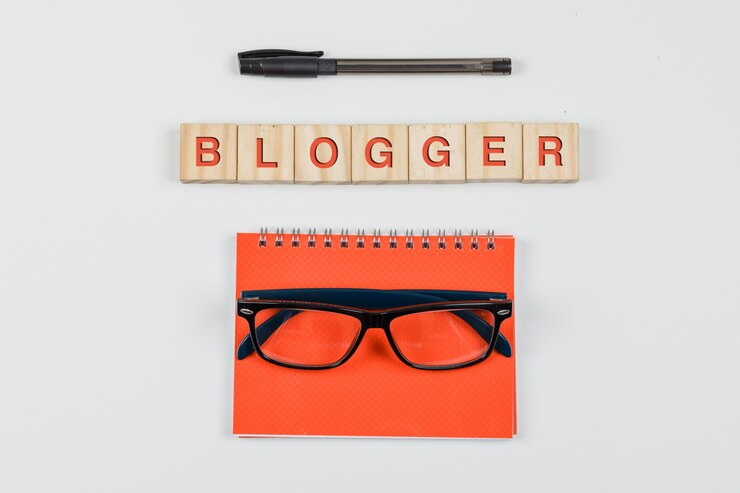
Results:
375 321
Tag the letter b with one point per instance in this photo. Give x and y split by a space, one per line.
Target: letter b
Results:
212 150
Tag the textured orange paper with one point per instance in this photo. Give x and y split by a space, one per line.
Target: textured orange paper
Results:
374 394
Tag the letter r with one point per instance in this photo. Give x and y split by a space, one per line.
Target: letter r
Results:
554 151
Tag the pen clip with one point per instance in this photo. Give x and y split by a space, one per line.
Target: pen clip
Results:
278 53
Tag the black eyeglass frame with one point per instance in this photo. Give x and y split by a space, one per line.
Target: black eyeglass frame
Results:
379 319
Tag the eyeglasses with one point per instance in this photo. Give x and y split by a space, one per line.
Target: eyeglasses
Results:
321 328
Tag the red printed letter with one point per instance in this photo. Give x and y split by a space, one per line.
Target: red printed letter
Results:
555 151
488 151
445 154
200 151
332 158
387 154
260 160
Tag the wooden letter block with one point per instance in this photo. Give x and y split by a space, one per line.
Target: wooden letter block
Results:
380 154
265 154
550 152
437 153
207 153
323 154
493 151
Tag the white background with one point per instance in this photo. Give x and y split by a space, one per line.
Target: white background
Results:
116 281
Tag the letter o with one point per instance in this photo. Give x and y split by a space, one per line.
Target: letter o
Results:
334 152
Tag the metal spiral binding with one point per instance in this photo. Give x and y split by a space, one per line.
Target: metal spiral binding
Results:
295 239
377 238
458 239
409 239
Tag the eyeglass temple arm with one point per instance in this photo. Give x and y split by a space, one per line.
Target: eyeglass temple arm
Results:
484 329
264 331
377 298
451 295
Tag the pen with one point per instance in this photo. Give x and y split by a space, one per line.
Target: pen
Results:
289 63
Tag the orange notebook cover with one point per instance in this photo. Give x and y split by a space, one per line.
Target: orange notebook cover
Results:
374 394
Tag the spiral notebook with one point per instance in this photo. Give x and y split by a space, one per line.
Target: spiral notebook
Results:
374 394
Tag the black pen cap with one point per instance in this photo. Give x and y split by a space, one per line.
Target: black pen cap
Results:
285 63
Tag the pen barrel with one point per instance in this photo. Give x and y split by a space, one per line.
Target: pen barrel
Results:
485 66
